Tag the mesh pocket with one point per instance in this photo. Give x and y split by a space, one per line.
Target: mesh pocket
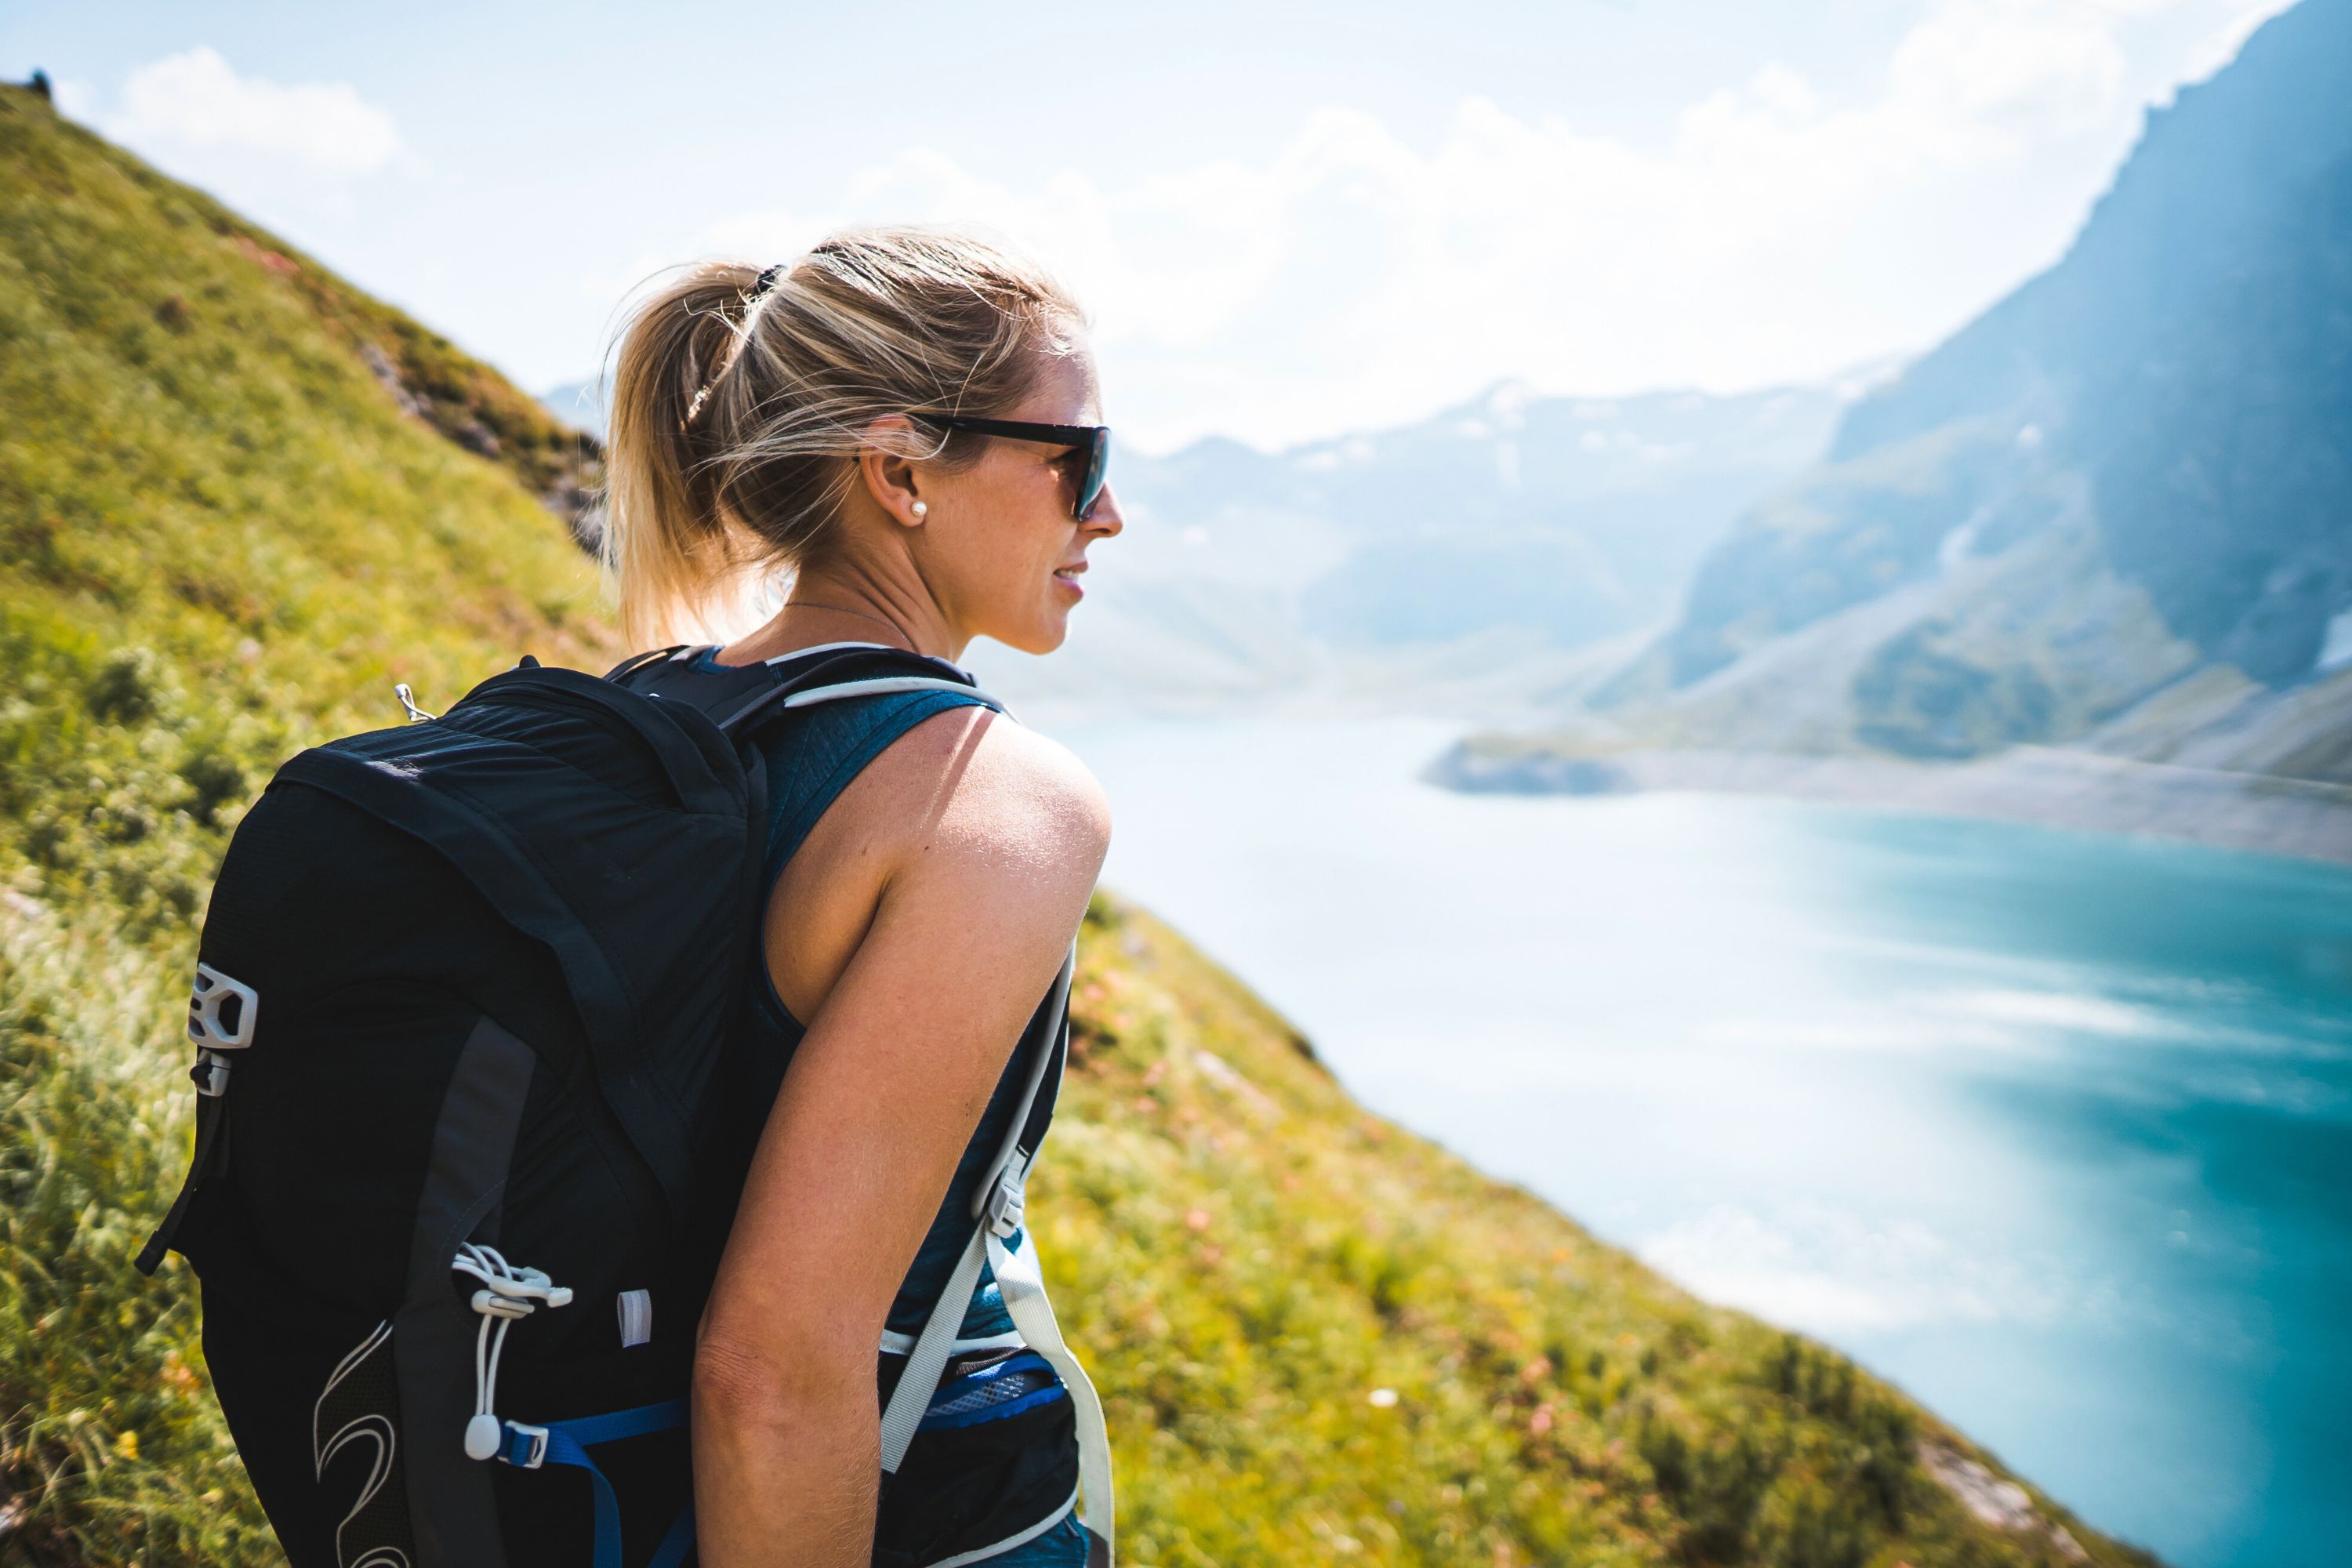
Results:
1000 1389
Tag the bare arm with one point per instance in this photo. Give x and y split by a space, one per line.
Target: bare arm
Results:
980 889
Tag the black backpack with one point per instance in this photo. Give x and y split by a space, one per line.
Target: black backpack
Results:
474 1109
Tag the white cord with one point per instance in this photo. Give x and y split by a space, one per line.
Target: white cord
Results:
508 1293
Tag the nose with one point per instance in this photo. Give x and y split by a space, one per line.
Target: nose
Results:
1107 519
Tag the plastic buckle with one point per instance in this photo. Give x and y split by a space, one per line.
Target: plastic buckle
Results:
213 1022
211 1074
530 1441
1003 1209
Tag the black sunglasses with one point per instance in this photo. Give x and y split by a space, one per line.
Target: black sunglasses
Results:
1093 439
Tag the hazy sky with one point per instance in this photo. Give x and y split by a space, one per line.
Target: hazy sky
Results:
1288 220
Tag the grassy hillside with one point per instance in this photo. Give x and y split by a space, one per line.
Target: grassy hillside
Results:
227 528
237 500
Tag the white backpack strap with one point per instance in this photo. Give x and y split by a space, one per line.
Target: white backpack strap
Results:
800 681
999 1216
1032 1314
882 685
928 1358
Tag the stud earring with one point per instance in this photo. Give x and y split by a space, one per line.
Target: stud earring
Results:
922 509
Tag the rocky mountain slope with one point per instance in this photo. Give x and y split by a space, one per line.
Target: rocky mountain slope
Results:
2114 513
225 533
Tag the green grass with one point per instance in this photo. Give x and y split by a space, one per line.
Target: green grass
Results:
224 537
221 537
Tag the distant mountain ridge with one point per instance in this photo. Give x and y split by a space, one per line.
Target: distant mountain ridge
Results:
1484 550
2114 512
579 404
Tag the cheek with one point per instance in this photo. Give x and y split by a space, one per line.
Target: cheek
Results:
1014 534
1026 514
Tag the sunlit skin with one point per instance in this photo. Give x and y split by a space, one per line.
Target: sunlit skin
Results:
980 560
915 930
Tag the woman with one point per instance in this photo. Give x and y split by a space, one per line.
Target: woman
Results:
930 858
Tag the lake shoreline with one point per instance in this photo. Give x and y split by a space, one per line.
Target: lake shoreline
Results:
2046 786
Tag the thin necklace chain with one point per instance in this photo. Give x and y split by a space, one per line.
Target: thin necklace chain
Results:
844 610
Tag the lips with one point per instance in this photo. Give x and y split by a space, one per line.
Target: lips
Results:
1068 576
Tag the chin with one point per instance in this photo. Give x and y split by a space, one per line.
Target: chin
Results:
1035 638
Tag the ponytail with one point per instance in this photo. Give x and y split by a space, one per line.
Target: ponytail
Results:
665 540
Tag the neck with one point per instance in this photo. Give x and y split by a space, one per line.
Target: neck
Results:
842 603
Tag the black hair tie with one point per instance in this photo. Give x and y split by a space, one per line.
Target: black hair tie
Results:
750 302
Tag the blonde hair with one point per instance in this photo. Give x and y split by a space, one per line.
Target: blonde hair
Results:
741 398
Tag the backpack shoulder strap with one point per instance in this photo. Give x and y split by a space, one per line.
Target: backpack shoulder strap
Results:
739 698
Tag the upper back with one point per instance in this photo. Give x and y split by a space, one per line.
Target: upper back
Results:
930 794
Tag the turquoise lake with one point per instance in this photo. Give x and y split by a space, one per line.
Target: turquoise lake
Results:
2052 1129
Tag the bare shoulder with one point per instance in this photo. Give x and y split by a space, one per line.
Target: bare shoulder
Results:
972 783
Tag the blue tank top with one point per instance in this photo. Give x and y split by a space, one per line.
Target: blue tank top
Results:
812 755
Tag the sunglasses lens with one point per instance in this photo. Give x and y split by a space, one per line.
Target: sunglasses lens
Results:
1090 486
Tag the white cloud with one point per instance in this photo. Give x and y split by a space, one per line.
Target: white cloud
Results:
266 145
2020 68
1349 278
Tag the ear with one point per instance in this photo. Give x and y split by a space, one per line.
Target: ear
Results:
890 479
